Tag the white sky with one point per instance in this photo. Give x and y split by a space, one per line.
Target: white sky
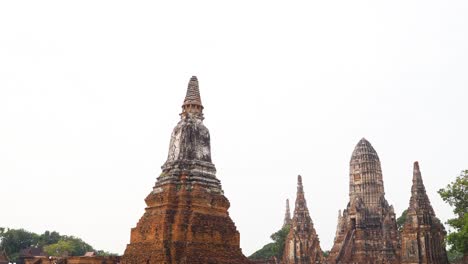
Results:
91 90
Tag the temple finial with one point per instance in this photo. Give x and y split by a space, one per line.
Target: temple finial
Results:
192 102
300 188
418 185
419 197
287 216
417 178
418 189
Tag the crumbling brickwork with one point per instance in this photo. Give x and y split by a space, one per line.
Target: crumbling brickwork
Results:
186 220
302 245
422 237
366 231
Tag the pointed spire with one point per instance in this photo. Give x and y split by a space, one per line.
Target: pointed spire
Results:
192 102
419 199
193 92
300 188
302 242
418 185
339 224
300 209
421 222
417 178
287 216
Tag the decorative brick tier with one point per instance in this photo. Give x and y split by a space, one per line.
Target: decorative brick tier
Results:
366 231
186 220
422 237
302 245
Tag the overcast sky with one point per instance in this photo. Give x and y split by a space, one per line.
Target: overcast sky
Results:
91 90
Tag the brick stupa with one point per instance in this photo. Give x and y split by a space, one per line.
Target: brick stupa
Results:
422 237
186 219
367 230
302 245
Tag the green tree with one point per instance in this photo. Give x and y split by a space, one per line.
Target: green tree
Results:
48 238
60 249
68 246
401 220
275 248
13 240
456 195
266 252
103 253
279 239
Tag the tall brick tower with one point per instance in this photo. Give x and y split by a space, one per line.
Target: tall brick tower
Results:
367 231
302 245
422 237
186 220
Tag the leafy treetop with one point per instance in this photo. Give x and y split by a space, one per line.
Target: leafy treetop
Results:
456 194
12 241
275 248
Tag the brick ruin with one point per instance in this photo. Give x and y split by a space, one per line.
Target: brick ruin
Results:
367 230
186 220
422 237
302 244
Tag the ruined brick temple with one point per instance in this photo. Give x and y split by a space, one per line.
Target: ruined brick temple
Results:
186 219
367 230
302 245
422 237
